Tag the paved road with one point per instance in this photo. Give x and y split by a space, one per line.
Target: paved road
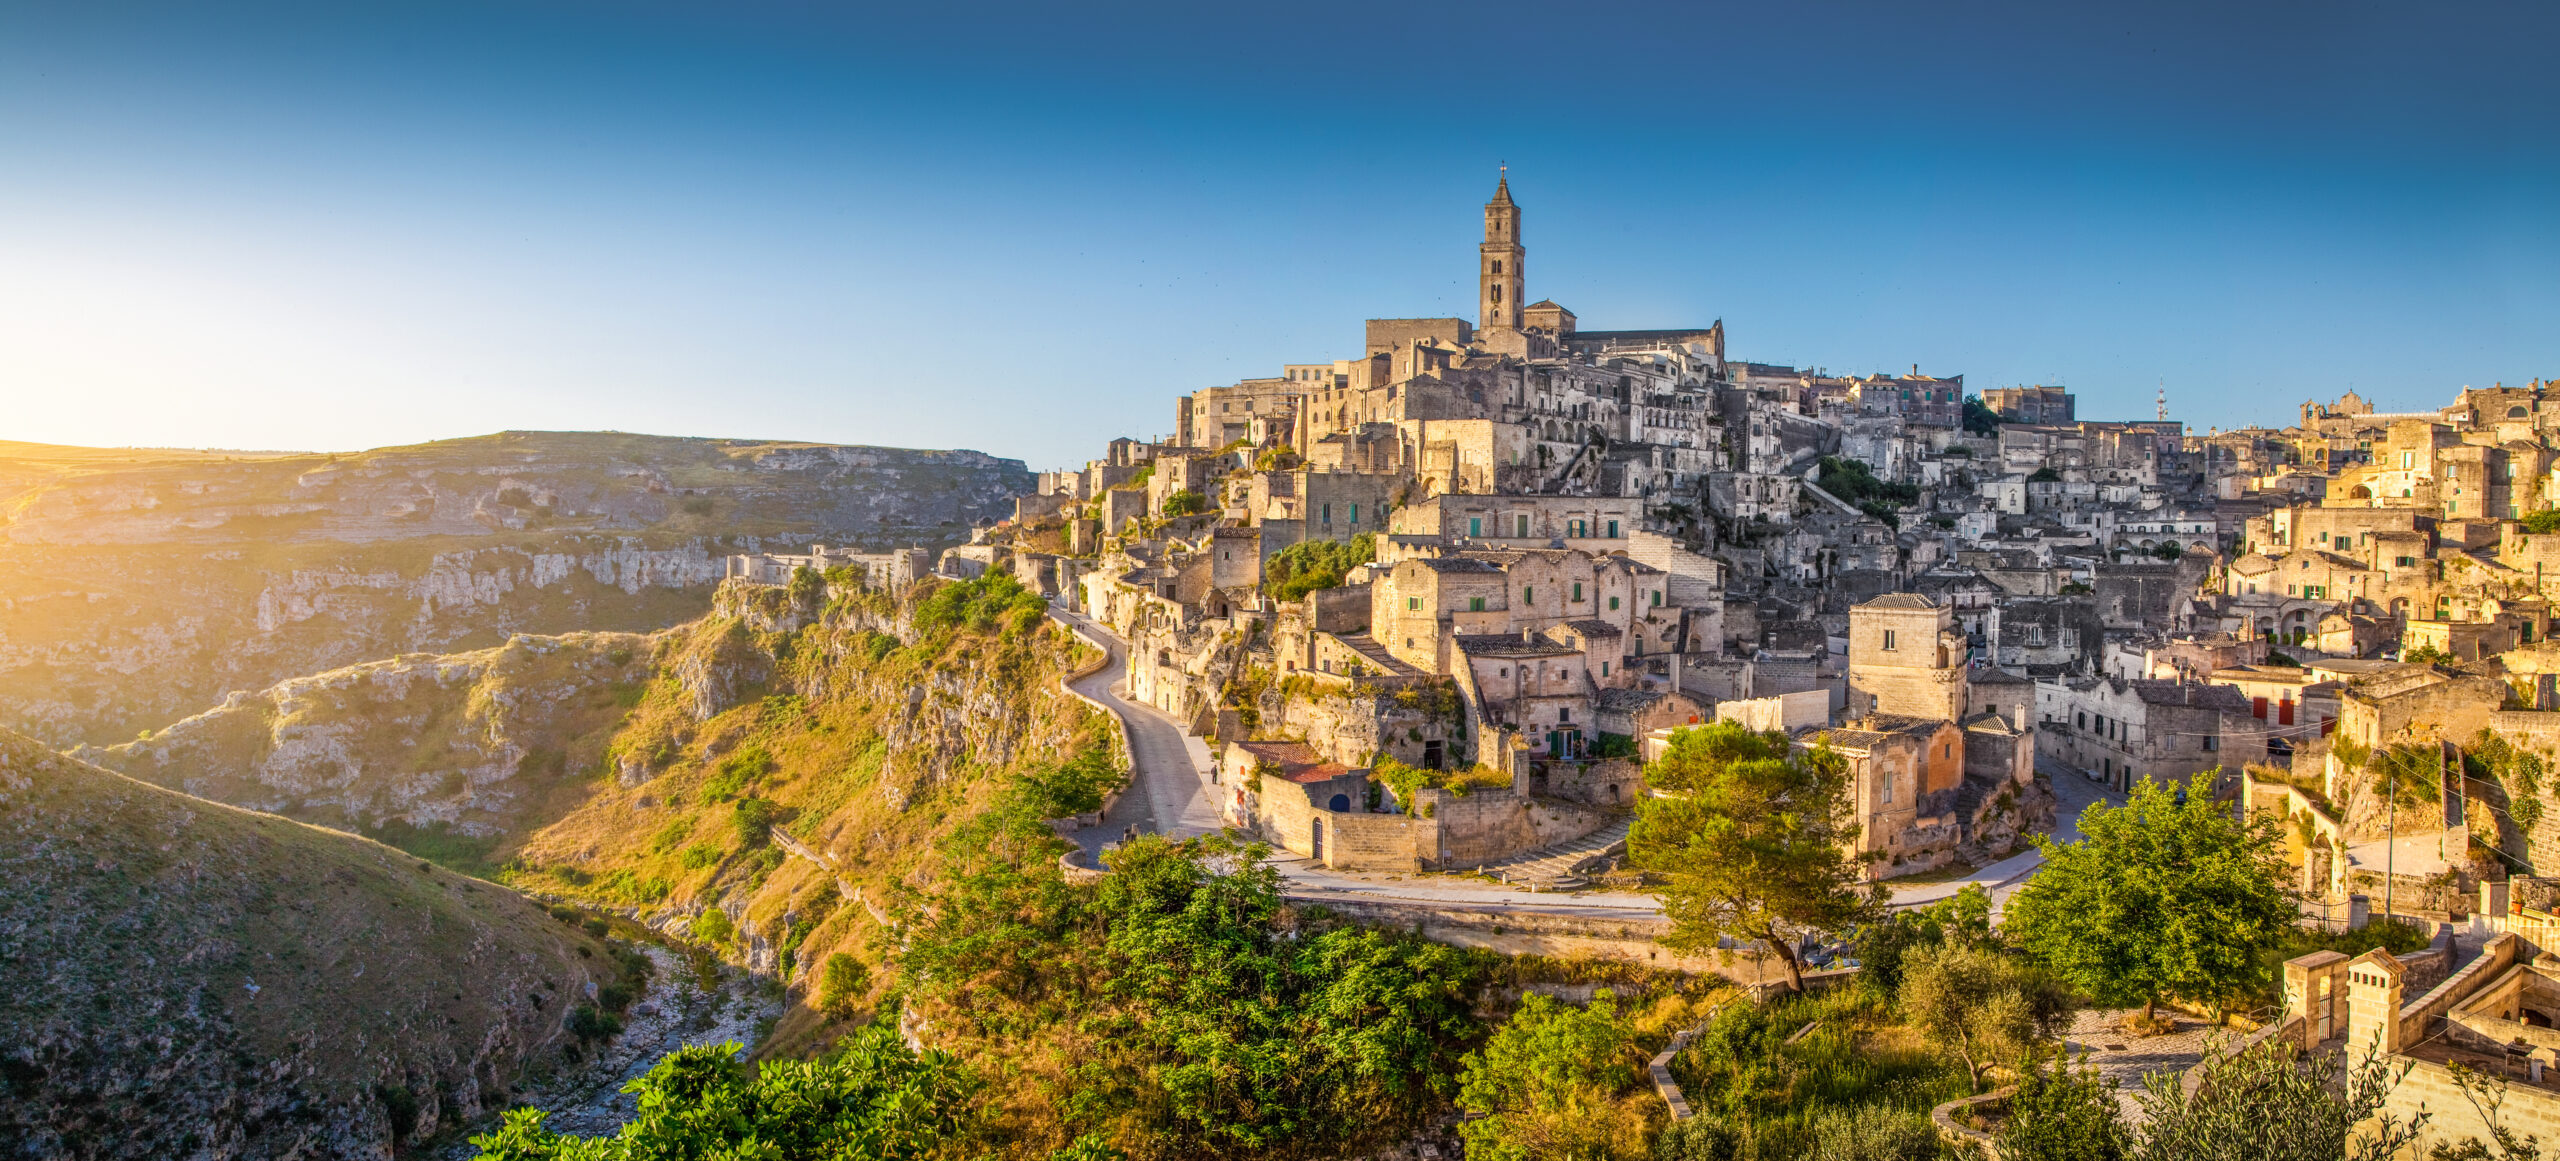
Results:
1169 792
2075 790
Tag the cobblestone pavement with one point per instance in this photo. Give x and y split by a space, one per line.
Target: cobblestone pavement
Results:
2127 1059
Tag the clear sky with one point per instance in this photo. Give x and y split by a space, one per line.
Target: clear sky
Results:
1025 229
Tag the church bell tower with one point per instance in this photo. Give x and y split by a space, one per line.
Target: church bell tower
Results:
1498 299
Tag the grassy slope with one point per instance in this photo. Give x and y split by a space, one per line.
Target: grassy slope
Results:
138 920
874 759
460 750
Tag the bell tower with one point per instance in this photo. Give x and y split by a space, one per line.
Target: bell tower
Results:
1498 298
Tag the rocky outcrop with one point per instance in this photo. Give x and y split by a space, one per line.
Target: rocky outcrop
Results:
140 588
186 979
469 741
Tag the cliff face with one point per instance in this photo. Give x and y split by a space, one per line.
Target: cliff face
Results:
141 586
475 745
186 979
863 740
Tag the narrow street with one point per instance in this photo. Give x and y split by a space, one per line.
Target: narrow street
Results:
1169 791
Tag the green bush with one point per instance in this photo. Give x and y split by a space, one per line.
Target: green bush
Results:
1308 565
754 821
713 926
586 1023
1076 786
701 855
737 772
1185 503
870 1098
841 981
988 603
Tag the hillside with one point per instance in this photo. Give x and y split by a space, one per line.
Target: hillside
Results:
140 585
190 979
852 733
442 752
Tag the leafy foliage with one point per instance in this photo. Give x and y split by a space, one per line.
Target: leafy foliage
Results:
995 601
753 820
1178 1003
2159 898
2269 1102
1546 1083
1763 1091
2064 1112
1855 482
870 1098
840 983
737 772
1308 565
1986 1005
1978 419
1075 786
1962 919
1752 840
1185 502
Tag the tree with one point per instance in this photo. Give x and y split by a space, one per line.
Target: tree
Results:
2161 897
1185 502
841 981
1963 919
1753 840
1978 419
2063 1113
1874 1133
1988 1006
2269 1103
870 1098
1546 1083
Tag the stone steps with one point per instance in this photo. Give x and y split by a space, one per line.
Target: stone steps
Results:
1563 864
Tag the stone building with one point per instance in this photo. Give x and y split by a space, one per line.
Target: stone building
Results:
1906 657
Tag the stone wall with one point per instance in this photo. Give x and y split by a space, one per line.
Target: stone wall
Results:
1486 826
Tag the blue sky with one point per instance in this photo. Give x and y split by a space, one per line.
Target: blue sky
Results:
1025 229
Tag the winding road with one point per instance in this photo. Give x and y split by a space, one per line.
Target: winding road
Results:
1171 794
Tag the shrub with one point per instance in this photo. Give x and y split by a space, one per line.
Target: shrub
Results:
1185 503
586 1023
713 926
754 821
700 855
841 981
737 772
595 927
1309 565
986 603
1076 786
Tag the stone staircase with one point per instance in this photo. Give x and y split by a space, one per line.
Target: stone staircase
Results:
1379 660
1564 864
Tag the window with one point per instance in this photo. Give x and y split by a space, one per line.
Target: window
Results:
1613 530
1657 598
1475 526
1564 713
1475 604
2082 720
1604 669
1577 592
1355 513
1528 596
2258 708
2212 741
1497 265
2408 459
1413 604
1523 524
1327 513
1888 639
1613 604
1885 788
1408 642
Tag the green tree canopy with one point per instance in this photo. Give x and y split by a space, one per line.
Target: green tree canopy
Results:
1546 1080
871 1098
1988 1006
1753 841
2159 898
1308 565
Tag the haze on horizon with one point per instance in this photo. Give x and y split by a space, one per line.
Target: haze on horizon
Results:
1025 229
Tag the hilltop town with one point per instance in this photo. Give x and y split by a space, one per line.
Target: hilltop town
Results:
1429 611
1450 590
